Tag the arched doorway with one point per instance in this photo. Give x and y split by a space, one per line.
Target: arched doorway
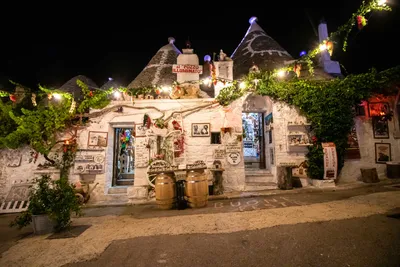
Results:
254 139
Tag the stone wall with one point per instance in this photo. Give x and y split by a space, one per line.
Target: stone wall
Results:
366 140
19 166
283 114
196 148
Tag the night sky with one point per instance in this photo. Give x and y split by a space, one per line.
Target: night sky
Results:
54 44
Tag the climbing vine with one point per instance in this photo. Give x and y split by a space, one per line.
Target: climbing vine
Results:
327 104
48 118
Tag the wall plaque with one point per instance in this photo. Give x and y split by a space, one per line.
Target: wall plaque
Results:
233 158
233 147
142 155
219 153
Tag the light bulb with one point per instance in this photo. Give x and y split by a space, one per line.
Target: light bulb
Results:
117 94
281 73
381 2
242 85
322 47
57 96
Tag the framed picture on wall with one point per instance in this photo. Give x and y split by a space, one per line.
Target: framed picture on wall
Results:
380 128
140 130
97 139
200 129
382 152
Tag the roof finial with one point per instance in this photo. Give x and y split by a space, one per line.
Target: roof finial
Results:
252 20
188 44
171 40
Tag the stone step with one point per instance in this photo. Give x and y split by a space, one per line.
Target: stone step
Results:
260 179
118 190
259 186
124 181
257 172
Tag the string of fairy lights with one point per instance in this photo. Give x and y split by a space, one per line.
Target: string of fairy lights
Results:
357 18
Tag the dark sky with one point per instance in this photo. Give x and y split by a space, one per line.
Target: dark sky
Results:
117 40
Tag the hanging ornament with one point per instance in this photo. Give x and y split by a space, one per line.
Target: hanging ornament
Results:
91 93
329 47
213 74
33 98
73 105
13 98
297 69
148 123
176 125
361 22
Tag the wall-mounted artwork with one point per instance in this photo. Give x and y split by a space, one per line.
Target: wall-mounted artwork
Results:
97 139
140 130
382 152
380 128
200 129
13 159
378 109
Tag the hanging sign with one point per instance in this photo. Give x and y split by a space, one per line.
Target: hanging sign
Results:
233 158
330 161
187 68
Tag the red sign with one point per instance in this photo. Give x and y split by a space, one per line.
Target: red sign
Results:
186 68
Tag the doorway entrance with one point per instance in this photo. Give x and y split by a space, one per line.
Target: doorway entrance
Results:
254 140
124 157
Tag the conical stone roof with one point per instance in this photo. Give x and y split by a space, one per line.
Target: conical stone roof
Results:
158 71
258 48
111 83
72 87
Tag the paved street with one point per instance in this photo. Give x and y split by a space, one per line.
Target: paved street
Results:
366 242
243 204
331 228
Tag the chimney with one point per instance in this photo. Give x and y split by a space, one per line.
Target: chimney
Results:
331 67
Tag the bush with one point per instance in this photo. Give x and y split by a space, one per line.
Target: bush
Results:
55 198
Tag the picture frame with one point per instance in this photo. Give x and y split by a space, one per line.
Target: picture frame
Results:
97 139
380 128
383 153
140 130
201 130
377 108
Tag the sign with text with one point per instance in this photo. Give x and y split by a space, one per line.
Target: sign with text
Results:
186 68
233 147
219 153
330 161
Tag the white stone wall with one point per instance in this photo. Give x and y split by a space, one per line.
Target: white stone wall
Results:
351 170
25 172
196 148
282 115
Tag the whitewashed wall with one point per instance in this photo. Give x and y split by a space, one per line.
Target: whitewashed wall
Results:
283 114
196 148
351 170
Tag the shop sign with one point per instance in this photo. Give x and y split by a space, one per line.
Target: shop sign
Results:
330 161
187 68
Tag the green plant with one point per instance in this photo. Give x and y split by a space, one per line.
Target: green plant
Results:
55 198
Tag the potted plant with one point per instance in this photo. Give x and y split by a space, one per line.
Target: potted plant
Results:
51 203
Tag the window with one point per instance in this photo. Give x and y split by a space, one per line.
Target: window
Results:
216 138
